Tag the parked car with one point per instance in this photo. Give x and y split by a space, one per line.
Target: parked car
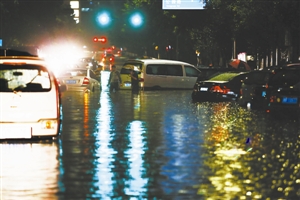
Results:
125 76
80 79
252 88
30 99
284 101
162 74
221 87
256 90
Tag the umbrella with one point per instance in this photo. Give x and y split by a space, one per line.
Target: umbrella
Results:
239 64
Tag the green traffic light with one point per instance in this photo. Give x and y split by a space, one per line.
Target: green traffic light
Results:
104 19
136 20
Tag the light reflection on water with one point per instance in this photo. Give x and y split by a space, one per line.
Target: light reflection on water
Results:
240 170
29 171
159 145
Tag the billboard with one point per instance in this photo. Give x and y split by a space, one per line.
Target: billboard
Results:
183 4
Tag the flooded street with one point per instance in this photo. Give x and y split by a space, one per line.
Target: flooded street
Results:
156 145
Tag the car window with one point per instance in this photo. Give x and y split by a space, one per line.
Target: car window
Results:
190 71
24 78
163 69
223 77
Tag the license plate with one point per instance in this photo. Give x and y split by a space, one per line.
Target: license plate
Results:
127 84
15 132
71 82
203 89
289 100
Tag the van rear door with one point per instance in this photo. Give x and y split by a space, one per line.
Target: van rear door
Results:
191 74
27 94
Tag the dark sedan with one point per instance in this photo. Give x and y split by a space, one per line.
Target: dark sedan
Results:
221 87
258 86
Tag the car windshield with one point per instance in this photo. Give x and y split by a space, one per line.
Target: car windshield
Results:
24 78
223 77
285 78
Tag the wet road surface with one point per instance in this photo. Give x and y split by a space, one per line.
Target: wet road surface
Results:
156 145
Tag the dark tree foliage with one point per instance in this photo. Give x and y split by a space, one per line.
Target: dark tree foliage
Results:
27 22
258 27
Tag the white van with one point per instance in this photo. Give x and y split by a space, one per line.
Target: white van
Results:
160 74
30 104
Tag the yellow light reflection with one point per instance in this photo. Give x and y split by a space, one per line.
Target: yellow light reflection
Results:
222 138
86 114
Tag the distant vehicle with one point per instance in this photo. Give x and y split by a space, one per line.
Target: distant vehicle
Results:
252 88
14 52
256 92
30 99
107 61
221 87
88 62
80 79
161 74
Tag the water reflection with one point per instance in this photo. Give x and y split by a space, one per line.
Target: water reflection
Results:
257 169
29 170
157 145
136 185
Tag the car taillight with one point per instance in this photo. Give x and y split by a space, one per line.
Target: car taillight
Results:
219 89
85 81
110 59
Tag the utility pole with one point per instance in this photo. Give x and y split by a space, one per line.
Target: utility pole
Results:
234 49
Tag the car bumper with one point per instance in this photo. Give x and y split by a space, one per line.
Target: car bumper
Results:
78 89
28 130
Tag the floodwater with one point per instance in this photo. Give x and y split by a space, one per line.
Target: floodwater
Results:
156 145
